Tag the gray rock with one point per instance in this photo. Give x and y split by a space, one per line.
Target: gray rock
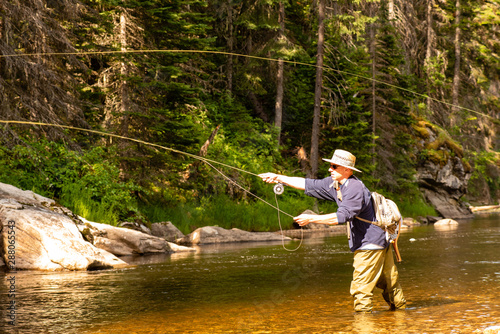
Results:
444 222
41 239
167 231
408 221
137 227
446 225
51 237
443 186
26 197
432 219
123 241
215 234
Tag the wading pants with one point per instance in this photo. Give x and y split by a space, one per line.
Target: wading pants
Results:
375 268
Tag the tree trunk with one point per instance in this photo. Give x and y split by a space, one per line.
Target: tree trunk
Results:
192 170
317 90
278 116
391 15
456 74
257 106
6 29
125 104
230 45
374 88
428 51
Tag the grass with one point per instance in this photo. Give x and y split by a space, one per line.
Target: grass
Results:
223 212
80 202
414 207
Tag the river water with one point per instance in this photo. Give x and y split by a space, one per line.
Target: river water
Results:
450 277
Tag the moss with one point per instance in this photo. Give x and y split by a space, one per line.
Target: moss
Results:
442 148
467 166
439 157
421 129
87 235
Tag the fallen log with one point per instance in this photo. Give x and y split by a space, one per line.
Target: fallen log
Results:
484 208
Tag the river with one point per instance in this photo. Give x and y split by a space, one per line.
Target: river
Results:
450 277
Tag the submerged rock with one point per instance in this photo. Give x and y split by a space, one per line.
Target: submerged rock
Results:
215 234
446 225
445 222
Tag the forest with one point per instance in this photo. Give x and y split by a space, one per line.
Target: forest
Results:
106 105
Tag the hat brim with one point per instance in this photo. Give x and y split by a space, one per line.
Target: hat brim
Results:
336 163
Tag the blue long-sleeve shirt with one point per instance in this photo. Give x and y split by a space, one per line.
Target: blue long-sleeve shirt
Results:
356 202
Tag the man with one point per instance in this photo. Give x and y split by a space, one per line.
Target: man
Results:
373 260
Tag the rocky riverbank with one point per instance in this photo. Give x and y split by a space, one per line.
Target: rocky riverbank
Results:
38 234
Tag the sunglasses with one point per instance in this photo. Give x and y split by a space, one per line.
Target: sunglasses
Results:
332 166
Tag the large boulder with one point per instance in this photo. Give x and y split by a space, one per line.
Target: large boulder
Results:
33 237
26 197
123 241
215 235
39 234
167 231
136 226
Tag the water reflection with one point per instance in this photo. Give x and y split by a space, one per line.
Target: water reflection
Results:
450 278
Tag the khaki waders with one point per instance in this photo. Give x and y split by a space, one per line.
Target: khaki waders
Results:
375 268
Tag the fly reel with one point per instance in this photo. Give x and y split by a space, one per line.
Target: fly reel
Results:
279 188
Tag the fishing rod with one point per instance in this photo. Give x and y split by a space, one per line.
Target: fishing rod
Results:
324 67
278 188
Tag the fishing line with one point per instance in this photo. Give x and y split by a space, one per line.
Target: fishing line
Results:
279 223
207 161
130 139
278 190
86 53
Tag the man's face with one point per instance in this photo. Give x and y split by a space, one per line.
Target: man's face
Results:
339 173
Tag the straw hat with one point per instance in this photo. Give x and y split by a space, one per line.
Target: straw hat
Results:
344 159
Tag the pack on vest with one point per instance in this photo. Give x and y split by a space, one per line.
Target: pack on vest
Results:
388 218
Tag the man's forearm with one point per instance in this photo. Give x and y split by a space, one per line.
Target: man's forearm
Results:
291 181
294 182
328 219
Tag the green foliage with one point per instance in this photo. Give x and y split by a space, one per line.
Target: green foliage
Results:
176 99
347 121
88 183
485 173
415 206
